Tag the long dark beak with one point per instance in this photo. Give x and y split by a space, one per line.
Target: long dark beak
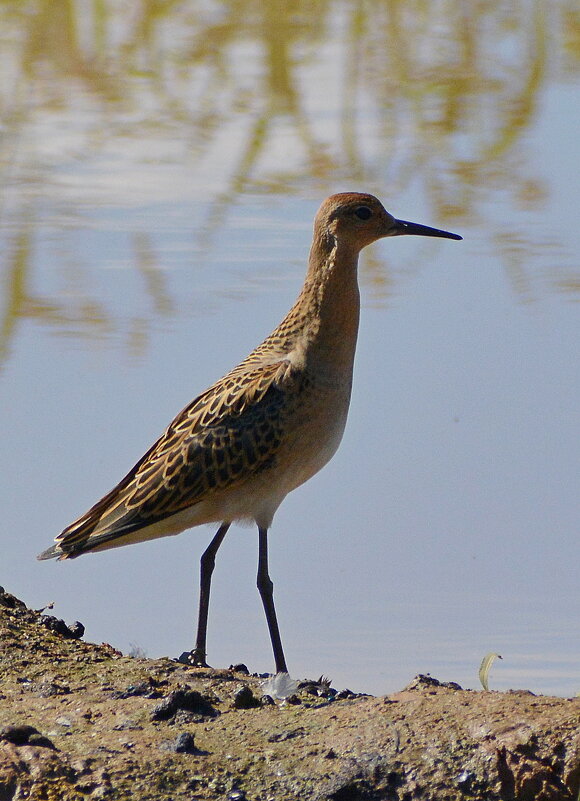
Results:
402 227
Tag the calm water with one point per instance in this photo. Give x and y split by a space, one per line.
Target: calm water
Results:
159 177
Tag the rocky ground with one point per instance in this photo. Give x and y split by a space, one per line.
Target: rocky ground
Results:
82 721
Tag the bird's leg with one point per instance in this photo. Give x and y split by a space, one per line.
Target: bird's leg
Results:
266 590
207 564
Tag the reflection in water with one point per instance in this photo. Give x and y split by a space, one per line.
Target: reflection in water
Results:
270 97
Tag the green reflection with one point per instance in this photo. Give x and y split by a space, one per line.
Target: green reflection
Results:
375 95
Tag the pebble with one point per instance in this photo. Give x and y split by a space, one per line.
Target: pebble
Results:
184 699
73 632
240 668
267 700
185 743
18 735
127 725
25 735
147 689
245 699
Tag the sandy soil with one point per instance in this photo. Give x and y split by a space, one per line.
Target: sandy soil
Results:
82 721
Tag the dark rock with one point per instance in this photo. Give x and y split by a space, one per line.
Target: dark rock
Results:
342 694
185 658
185 743
245 699
58 626
17 734
184 699
127 725
267 700
10 601
48 688
25 735
76 630
240 668
425 681
147 689
319 687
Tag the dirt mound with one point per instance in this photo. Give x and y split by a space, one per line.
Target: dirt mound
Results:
82 721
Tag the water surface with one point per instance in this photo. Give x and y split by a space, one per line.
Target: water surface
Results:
160 173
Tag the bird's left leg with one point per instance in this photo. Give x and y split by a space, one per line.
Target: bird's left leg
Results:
266 589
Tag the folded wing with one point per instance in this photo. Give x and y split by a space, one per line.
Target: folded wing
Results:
224 436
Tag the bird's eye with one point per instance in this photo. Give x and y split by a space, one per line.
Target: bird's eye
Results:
363 213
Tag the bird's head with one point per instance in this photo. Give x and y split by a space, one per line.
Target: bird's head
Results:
355 220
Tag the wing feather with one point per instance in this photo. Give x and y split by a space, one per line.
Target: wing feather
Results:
226 434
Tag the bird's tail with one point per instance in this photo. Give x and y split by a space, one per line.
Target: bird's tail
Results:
51 553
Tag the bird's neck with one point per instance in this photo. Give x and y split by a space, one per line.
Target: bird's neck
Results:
323 323
330 295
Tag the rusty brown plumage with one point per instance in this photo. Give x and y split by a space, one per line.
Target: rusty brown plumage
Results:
229 432
259 432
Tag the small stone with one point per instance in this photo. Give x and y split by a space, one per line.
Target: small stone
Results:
267 700
76 630
147 689
342 694
184 699
18 735
58 626
185 658
424 681
127 725
185 743
10 601
63 722
48 688
25 735
245 699
240 668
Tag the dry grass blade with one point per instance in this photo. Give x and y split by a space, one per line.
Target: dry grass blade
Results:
485 667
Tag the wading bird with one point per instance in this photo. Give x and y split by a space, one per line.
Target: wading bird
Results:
265 428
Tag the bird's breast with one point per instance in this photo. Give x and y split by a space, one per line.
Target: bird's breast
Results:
314 424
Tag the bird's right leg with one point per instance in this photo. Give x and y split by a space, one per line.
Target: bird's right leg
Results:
207 564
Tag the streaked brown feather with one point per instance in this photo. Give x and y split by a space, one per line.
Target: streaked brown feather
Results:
226 434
